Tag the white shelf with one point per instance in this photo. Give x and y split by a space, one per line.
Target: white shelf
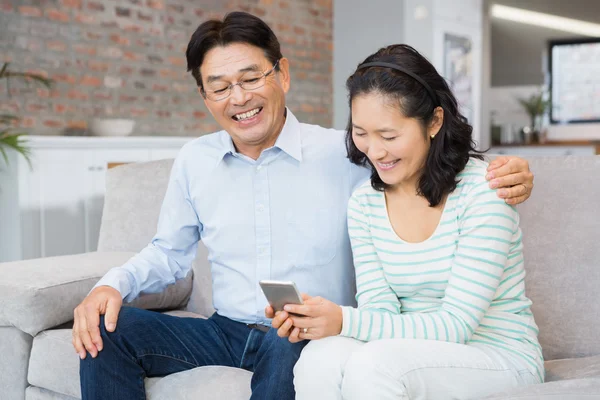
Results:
106 142
542 150
55 207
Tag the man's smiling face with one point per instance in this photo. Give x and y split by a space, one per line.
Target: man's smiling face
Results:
253 118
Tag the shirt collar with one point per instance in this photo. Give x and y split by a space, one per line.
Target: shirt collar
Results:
289 138
287 141
227 145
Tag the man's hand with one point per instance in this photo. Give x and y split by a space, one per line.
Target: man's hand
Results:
512 176
103 300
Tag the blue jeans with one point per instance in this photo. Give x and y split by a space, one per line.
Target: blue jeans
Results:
150 344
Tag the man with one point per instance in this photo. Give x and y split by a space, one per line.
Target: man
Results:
267 196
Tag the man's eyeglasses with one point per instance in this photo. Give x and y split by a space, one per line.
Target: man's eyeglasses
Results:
250 81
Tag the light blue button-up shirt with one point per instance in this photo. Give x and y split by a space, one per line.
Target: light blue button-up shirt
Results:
281 217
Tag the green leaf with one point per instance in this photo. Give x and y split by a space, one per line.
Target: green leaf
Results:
27 76
14 141
4 155
8 118
534 105
3 70
8 138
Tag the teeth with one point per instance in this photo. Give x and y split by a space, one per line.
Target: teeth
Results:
388 164
246 115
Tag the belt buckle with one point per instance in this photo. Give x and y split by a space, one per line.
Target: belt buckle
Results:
262 328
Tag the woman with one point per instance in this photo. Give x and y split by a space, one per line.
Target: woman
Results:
442 311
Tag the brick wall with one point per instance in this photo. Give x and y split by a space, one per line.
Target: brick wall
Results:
126 58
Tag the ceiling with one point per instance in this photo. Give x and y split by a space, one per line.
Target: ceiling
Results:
518 50
586 10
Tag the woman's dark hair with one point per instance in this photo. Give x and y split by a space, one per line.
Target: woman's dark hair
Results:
236 27
453 144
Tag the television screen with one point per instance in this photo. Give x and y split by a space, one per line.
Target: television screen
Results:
575 81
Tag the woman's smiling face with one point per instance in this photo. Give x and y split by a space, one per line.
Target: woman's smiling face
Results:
397 146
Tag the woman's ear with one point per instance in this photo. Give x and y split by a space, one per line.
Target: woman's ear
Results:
436 122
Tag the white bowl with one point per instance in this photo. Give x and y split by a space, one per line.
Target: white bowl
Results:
111 126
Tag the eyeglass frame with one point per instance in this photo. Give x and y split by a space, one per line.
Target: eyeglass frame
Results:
241 84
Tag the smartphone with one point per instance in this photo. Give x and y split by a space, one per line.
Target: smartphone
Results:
280 293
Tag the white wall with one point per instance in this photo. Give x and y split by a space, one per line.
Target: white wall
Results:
419 26
504 104
427 22
485 137
359 29
10 236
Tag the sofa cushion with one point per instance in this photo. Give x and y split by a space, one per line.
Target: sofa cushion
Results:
174 296
573 389
42 293
54 366
37 393
562 257
572 368
201 296
216 382
14 357
134 195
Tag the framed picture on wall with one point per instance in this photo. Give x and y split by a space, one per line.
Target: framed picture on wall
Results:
458 70
457 57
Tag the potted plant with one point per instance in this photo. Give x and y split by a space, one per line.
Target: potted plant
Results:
535 106
10 136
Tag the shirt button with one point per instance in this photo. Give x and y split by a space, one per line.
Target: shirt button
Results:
260 208
259 168
262 250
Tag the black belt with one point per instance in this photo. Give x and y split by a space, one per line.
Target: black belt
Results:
262 328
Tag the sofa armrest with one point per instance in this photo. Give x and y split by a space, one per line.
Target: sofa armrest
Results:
40 294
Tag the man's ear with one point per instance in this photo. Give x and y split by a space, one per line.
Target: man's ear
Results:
284 74
206 102
202 94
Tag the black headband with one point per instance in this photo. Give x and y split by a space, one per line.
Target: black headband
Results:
407 72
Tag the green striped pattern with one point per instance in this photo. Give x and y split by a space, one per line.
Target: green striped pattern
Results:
465 284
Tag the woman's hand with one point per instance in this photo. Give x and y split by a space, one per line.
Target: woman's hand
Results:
511 175
317 318
283 323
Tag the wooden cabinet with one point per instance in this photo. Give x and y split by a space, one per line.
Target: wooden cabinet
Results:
55 207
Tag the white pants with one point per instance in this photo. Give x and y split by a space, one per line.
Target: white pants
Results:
342 368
